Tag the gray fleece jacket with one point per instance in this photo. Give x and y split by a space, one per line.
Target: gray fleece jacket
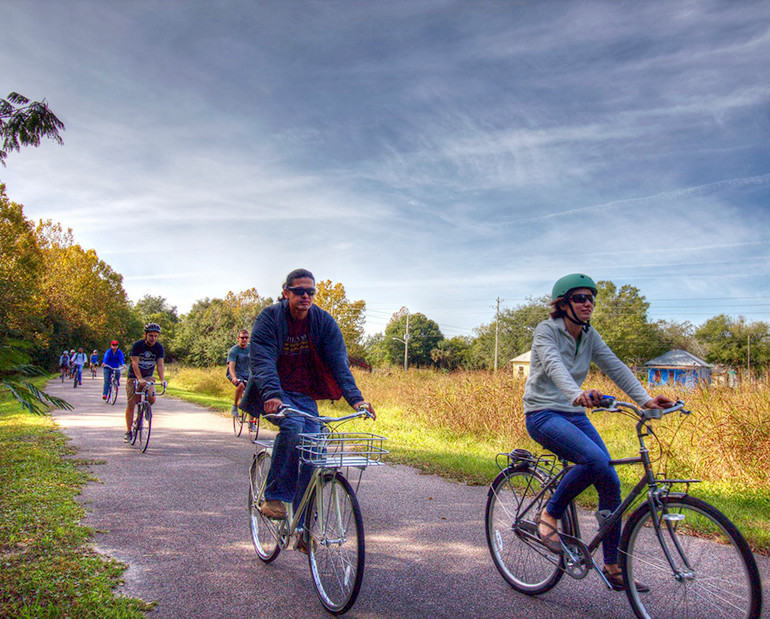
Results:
559 365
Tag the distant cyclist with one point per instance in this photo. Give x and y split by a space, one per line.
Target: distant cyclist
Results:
79 360
93 362
113 359
238 368
145 355
64 363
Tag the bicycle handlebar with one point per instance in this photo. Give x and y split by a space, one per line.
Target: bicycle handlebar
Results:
283 410
611 405
149 381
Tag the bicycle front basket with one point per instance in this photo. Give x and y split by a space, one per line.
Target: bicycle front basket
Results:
340 449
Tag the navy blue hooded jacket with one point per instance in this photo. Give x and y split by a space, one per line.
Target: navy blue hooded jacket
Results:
267 339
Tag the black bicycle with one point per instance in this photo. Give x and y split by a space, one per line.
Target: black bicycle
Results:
694 560
141 427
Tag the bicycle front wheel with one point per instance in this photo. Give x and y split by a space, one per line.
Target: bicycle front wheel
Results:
113 395
145 428
264 531
521 559
334 530
714 573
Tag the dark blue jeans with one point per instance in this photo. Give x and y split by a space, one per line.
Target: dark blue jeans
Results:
573 437
283 482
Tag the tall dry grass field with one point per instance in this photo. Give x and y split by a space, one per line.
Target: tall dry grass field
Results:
454 425
727 436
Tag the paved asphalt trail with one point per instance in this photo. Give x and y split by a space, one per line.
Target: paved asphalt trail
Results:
177 516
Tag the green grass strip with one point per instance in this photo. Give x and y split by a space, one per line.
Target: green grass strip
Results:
48 567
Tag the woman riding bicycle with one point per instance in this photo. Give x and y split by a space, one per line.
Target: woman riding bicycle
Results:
554 402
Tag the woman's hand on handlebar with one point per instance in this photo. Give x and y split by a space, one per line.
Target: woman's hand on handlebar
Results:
365 405
659 401
589 398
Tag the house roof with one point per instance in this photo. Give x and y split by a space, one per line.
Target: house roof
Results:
525 358
678 358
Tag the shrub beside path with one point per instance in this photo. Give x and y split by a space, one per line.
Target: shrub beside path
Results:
177 516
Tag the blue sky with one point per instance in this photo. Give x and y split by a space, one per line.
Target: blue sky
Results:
428 154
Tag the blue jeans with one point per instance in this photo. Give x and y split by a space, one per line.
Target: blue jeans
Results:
283 482
108 377
573 437
80 374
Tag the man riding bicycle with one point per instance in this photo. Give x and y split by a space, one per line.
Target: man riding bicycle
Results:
113 359
297 356
238 367
145 355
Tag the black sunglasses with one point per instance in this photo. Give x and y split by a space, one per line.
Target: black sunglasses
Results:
300 291
582 298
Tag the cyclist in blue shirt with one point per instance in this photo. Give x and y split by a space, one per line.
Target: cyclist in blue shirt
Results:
113 359
238 368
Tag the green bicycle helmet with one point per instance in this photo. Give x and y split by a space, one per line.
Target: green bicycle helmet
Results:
570 282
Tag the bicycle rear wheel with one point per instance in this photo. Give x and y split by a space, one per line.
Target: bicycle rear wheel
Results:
334 530
253 428
238 423
264 531
146 427
716 572
136 426
521 559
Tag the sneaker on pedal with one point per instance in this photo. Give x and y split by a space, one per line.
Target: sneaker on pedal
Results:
127 437
273 509
234 411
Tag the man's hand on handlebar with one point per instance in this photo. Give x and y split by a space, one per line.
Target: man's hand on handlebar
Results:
272 406
365 405
659 401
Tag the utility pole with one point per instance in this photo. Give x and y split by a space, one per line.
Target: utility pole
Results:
406 343
748 369
497 331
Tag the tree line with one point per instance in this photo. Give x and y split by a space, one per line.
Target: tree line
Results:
55 294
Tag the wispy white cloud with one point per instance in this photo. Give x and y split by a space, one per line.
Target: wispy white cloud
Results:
408 149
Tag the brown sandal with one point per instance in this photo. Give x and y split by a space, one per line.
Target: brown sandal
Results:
551 539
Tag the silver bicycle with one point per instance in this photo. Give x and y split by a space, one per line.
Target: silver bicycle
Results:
328 522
